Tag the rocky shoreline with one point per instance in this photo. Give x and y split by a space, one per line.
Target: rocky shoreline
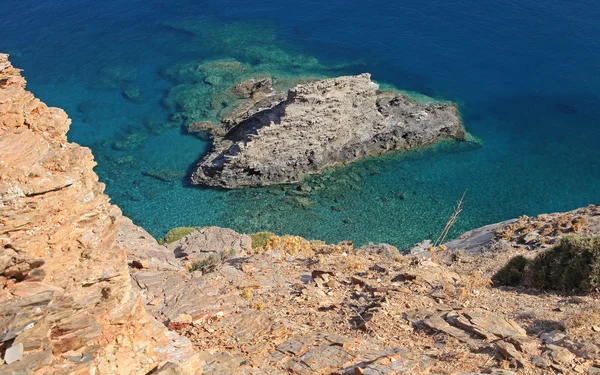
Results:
279 138
86 291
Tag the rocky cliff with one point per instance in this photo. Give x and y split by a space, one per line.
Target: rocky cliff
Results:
66 300
276 138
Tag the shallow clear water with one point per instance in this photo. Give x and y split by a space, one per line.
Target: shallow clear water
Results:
524 75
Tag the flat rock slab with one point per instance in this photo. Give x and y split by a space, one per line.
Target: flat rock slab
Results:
437 323
13 354
496 324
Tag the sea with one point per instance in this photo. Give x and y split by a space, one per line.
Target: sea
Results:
132 74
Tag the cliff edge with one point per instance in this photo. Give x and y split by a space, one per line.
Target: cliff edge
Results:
66 300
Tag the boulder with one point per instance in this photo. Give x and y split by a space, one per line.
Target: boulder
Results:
212 241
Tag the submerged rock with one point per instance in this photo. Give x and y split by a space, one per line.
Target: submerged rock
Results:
132 92
318 125
252 87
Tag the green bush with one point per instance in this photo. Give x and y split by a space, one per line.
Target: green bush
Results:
260 239
512 273
176 234
572 265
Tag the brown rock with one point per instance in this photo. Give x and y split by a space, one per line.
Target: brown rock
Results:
493 323
525 344
559 354
180 322
59 234
509 352
436 322
221 243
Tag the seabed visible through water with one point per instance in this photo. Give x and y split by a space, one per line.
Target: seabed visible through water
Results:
132 87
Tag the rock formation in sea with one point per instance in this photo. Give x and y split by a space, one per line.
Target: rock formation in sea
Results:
277 138
86 291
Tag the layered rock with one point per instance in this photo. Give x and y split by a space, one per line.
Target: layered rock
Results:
66 301
295 306
279 138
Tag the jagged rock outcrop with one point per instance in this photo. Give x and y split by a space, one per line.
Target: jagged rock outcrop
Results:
66 301
277 138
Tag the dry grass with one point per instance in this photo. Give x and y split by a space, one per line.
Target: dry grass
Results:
451 221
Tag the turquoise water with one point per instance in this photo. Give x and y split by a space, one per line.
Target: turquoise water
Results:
524 75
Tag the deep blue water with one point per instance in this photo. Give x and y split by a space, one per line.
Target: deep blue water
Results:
524 74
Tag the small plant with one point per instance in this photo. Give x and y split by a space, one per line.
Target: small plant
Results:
176 234
573 264
468 287
247 293
317 244
260 239
563 220
207 265
577 224
547 230
438 253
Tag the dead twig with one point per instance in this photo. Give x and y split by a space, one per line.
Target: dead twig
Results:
451 221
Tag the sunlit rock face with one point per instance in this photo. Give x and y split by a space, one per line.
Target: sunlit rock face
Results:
318 125
66 301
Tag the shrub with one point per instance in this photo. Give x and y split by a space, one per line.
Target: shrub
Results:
512 273
572 265
260 239
176 234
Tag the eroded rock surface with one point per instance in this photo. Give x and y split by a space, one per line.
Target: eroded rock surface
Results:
277 138
66 301
301 307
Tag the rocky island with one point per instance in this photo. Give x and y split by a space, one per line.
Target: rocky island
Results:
83 290
277 138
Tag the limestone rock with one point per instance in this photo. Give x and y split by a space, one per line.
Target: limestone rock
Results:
143 249
495 324
436 322
385 250
419 248
318 125
215 241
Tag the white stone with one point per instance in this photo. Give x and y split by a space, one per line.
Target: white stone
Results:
14 353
